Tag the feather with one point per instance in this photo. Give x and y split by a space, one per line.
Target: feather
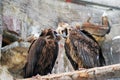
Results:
83 50
42 54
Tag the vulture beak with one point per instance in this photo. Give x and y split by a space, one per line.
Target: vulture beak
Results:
65 32
57 36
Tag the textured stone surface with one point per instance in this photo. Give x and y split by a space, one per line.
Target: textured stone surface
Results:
47 13
111 46
5 74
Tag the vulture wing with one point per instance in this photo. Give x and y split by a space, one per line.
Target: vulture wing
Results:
33 53
42 54
82 51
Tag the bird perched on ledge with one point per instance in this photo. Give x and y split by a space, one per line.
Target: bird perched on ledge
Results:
42 54
82 49
98 31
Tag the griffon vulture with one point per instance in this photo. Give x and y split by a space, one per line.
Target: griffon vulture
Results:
42 54
82 49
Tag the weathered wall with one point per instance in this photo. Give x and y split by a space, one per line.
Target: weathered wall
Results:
111 46
47 13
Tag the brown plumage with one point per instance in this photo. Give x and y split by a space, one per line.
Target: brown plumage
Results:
82 49
42 54
98 31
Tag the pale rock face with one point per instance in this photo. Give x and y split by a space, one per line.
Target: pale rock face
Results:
5 74
11 23
15 59
116 37
115 49
62 63
34 30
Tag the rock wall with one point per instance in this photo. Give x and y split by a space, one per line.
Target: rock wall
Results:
111 46
47 13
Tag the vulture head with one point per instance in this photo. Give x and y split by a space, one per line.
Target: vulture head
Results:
63 29
50 34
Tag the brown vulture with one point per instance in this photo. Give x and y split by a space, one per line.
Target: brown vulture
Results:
82 49
42 54
98 31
